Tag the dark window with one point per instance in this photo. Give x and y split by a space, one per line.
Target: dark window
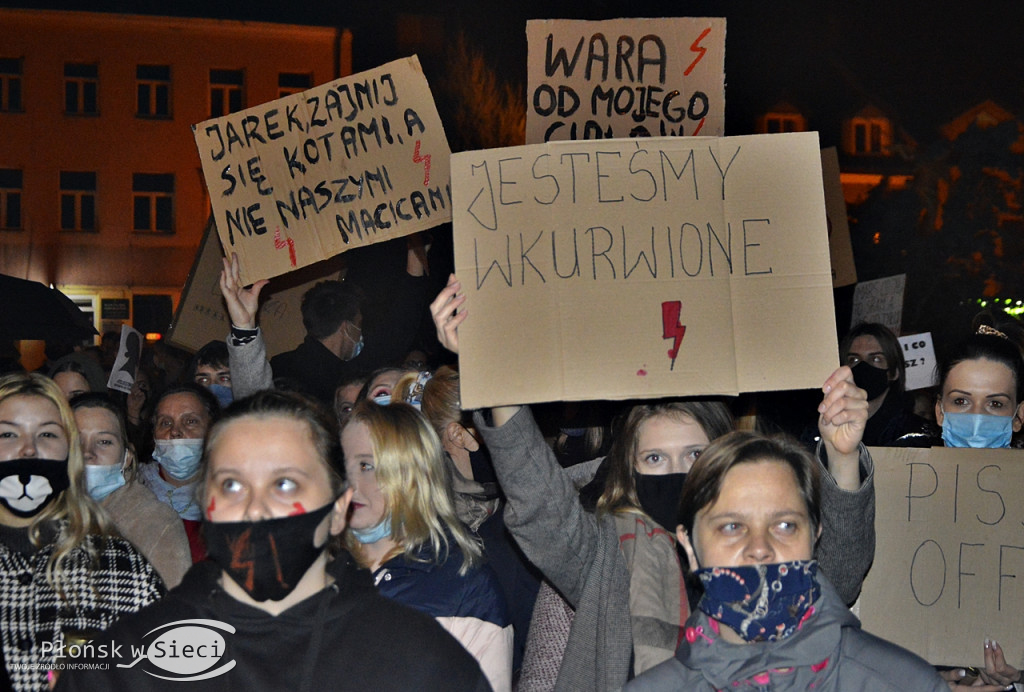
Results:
10 85
10 199
153 91
81 89
293 83
77 201
153 202
226 92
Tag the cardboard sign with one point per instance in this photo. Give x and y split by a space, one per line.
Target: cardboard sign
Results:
202 316
126 365
880 301
642 268
625 78
844 272
949 558
353 162
919 361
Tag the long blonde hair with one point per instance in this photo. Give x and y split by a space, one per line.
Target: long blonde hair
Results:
413 479
73 506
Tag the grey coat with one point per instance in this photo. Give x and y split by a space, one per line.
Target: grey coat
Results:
830 652
579 552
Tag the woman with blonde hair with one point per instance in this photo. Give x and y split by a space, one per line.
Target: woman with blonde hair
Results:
62 572
404 528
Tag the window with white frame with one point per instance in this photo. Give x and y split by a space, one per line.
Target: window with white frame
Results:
226 92
153 202
10 199
81 89
153 91
10 85
77 201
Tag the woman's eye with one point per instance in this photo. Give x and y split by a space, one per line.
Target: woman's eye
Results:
287 485
105 443
960 401
730 528
653 459
365 466
787 527
878 360
852 360
693 455
230 485
7 434
49 435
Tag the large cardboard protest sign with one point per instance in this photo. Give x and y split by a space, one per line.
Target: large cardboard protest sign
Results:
202 316
844 271
625 78
644 267
355 161
949 557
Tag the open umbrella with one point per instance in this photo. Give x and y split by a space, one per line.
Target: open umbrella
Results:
31 310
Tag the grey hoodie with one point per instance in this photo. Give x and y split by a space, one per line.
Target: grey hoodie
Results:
829 652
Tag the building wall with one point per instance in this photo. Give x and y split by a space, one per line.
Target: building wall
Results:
41 140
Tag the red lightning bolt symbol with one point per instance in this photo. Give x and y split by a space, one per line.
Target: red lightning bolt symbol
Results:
672 329
416 158
241 557
281 244
699 50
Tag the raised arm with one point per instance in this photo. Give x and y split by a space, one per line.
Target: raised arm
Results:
247 352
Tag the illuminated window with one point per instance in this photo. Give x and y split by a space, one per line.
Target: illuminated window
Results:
10 85
293 83
782 123
876 238
77 201
869 136
153 91
10 199
153 202
81 89
226 92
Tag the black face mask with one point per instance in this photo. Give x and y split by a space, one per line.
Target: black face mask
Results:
28 485
659 496
874 381
266 558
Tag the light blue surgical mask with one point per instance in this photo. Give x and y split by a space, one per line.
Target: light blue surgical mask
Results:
103 479
179 458
977 430
359 347
374 533
382 399
223 393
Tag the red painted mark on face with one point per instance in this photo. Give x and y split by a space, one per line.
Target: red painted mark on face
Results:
641 373
672 329
700 50
299 509
211 507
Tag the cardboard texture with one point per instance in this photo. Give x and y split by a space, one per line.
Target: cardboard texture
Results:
625 78
126 365
844 271
880 301
642 268
949 559
919 361
353 162
202 316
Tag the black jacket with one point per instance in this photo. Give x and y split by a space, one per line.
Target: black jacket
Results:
346 637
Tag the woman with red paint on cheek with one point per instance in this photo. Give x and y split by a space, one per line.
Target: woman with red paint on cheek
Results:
303 615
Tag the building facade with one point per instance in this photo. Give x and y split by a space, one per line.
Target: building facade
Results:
101 190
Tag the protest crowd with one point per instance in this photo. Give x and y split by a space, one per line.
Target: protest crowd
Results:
333 517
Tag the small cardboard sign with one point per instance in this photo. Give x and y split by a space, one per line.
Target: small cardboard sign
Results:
919 361
642 268
126 365
202 316
844 272
625 78
880 301
949 556
356 161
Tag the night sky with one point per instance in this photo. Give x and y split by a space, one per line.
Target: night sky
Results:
921 61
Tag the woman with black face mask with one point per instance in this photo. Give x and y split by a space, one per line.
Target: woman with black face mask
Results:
874 354
279 605
609 550
63 575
